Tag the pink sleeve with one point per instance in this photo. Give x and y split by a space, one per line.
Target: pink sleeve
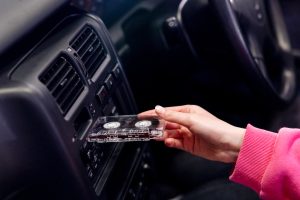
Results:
269 163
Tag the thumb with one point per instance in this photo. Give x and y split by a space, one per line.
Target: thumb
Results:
174 116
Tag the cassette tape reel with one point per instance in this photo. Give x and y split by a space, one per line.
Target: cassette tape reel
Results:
126 128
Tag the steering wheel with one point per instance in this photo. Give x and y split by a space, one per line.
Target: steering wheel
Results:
257 33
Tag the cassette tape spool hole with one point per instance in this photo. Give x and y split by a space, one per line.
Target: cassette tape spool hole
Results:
143 124
112 125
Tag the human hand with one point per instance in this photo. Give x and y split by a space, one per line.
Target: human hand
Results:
193 129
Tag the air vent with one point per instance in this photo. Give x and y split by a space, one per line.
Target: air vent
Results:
90 49
63 82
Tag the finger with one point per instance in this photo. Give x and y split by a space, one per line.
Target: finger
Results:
147 113
174 116
184 108
174 143
163 137
171 125
176 134
160 139
173 134
190 109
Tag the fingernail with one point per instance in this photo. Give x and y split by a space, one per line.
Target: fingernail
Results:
160 109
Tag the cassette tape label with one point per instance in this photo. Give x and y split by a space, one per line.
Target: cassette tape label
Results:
126 128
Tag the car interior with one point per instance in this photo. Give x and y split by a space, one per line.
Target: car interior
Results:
65 63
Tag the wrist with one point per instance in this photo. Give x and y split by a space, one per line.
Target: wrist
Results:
238 136
235 137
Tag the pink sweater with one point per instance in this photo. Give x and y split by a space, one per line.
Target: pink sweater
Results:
269 163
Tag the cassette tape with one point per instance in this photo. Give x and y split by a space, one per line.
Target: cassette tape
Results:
126 128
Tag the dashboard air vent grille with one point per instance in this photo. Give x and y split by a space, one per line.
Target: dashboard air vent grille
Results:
90 49
63 82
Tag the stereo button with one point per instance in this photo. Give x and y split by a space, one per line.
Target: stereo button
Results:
102 94
109 81
117 72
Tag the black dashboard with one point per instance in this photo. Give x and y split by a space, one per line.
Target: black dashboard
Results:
109 11
64 74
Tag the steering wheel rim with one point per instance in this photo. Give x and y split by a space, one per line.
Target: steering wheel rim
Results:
262 41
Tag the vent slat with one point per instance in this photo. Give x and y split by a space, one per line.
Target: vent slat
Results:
60 82
90 49
62 91
66 105
93 57
77 44
50 73
69 88
98 61
63 82
86 44
58 69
